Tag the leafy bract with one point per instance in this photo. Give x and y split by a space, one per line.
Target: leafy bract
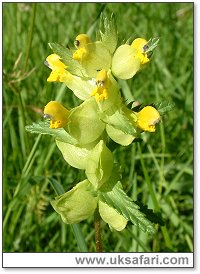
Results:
84 123
164 107
77 204
118 199
59 133
119 121
66 57
108 32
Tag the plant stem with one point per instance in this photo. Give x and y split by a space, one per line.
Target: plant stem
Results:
97 227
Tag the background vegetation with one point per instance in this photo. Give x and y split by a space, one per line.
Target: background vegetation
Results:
31 162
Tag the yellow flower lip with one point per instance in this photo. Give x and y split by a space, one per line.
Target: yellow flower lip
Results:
54 63
101 90
147 118
82 40
58 68
57 114
141 45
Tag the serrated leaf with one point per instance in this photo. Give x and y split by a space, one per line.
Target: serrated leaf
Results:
118 199
119 121
108 32
59 133
155 218
65 54
164 107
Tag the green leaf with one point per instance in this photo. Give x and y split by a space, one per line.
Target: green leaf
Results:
155 218
119 121
108 32
119 136
65 54
118 199
164 107
59 133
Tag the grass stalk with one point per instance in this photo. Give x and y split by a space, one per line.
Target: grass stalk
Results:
154 198
30 37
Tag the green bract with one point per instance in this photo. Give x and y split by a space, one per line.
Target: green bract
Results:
84 123
99 165
97 57
108 32
125 62
119 136
112 217
77 204
74 155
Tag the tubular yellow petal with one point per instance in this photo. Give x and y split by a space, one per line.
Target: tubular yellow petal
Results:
147 118
57 113
79 54
82 40
139 44
100 91
54 62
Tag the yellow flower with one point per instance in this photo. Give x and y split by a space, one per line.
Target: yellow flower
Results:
101 92
147 118
140 45
58 68
80 42
57 113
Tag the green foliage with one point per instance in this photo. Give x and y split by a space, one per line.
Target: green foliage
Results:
108 32
167 154
66 57
59 133
118 199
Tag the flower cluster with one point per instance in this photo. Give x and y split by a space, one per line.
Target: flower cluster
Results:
91 70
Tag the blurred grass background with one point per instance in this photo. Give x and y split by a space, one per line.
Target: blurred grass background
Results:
31 162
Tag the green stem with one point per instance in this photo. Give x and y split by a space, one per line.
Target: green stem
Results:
154 198
30 38
97 227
